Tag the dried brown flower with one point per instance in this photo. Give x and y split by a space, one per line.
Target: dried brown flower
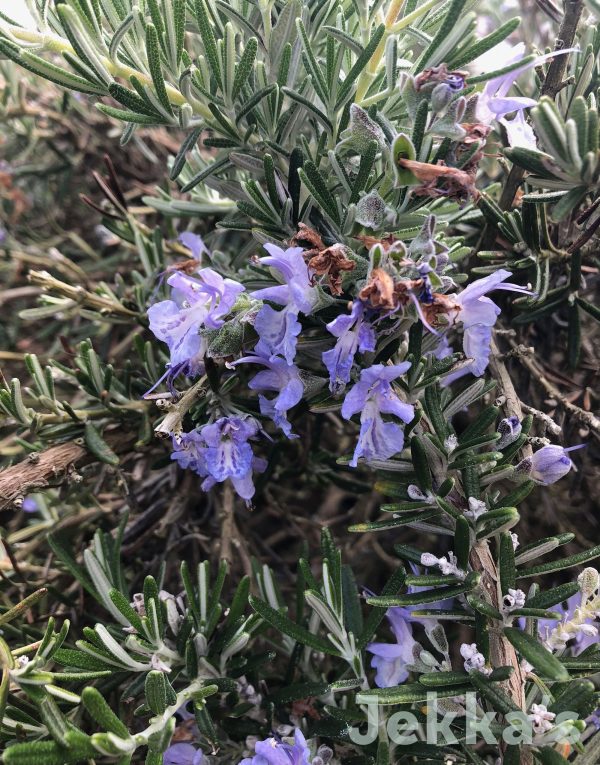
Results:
331 262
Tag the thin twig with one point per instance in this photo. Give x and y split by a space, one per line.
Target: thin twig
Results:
588 419
551 86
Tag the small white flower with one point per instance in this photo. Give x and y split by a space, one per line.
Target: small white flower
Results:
476 508
514 599
515 540
23 661
447 565
417 495
541 719
474 660
450 443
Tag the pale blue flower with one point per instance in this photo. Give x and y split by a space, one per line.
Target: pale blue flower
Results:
391 659
183 754
273 751
198 303
354 334
194 243
278 330
478 314
219 451
373 396
549 464
281 378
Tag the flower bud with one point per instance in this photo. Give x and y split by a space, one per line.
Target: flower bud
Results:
441 96
548 465
588 581
509 429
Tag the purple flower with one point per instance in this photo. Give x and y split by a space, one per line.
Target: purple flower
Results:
278 330
373 396
494 102
390 659
201 302
281 378
478 315
183 754
519 132
354 334
220 450
549 464
194 243
275 752
30 505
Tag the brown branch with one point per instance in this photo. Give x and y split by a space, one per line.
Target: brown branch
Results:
512 403
43 470
39 471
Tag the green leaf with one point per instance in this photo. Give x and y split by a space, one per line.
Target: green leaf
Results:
427 596
506 561
154 64
462 542
101 713
313 180
391 588
252 102
128 116
285 625
244 67
98 446
549 598
549 756
499 700
561 565
132 100
536 654
208 40
450 20
466 55
409 693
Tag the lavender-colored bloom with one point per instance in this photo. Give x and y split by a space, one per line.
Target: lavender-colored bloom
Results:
373 396
281 378
494 102
275 752
549 464
30 505
278 330
194 243
478 315
354 334
201 302
519 132
390 659
183 754
220 450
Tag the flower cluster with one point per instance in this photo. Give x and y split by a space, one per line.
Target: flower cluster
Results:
275 329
